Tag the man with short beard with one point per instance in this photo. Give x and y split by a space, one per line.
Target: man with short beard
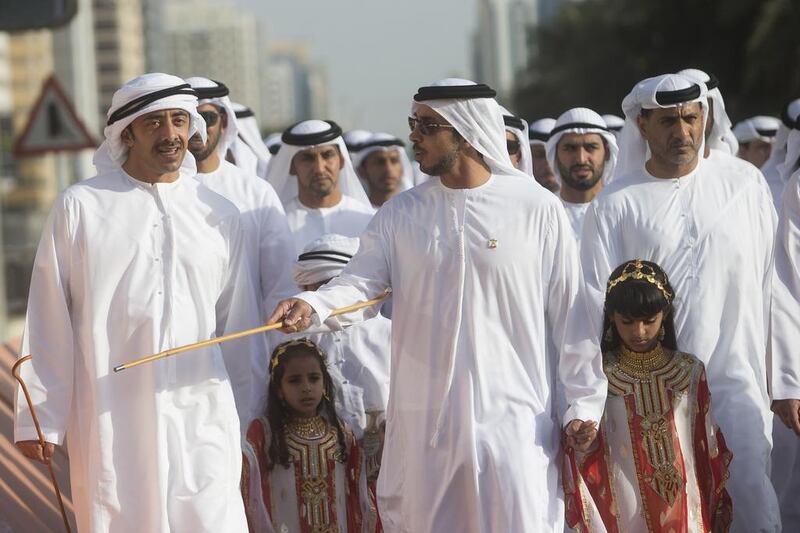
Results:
583 153
138 259
315 179
484 271
538 133
383 164
268 241
712 230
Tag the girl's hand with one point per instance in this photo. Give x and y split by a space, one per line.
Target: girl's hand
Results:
580 435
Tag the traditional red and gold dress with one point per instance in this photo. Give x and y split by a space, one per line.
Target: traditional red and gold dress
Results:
316 494
659 463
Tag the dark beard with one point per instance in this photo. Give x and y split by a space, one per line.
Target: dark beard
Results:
443 166
209 148
578 185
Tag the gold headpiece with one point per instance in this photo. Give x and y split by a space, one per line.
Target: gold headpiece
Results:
282 348
639 271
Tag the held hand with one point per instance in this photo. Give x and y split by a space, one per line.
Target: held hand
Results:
580 435
789 413
294 313
32 449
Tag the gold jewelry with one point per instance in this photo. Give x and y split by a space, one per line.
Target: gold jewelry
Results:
308 428
639 271
641 364
282 348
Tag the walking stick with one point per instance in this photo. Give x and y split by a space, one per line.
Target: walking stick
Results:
239 335
15 373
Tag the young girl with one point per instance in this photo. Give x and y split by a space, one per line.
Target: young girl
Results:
302 470
659 463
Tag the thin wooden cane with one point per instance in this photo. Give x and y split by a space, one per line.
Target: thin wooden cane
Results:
42 442
239 335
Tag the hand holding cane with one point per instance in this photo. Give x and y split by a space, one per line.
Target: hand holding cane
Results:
43 443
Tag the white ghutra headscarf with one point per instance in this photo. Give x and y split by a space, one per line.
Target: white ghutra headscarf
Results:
142 95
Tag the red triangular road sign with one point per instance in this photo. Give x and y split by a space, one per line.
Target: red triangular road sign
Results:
53 125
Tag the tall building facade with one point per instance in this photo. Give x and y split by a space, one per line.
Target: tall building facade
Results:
500 42
211 39
294 88
119 47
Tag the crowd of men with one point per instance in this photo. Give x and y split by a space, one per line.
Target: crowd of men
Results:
496 243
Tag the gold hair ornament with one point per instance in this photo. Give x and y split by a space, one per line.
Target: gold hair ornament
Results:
637 270
283 348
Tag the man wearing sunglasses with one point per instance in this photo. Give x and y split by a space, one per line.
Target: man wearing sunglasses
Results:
483 270
268 241
583 153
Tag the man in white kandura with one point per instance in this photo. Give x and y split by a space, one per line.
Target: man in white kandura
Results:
248 151
384 167
774 165
755 136
483 270
785 378
268 241
136 260
358 355
712 230
538 133
583 155
517 142
314 178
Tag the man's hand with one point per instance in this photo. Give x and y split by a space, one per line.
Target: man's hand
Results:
32 449
789 413
295 314
580 435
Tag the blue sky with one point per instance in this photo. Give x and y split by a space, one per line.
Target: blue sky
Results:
376 52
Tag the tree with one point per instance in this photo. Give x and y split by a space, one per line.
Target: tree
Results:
594 51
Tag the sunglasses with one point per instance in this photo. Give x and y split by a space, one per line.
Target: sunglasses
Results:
211 117
425 128
512 147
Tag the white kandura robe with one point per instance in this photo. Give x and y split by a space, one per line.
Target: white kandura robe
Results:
774 181
125 269
483 278
785 378
712 231
575 215
268 247
360 355
349 218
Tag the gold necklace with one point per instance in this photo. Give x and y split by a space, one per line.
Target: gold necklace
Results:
641 364
308 428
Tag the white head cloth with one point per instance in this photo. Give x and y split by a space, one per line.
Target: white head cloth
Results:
324 258
273 143
226 141
479 121
633 149
582 120
249 139
353 139
777 156
386 142
113 153
758 128
792 161
614 124
285 184
539 130
722 137
519 128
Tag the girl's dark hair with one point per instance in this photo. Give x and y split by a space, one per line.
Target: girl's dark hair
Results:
637 289
278 413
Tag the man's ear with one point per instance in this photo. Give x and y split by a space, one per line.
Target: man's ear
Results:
641 123
127 137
